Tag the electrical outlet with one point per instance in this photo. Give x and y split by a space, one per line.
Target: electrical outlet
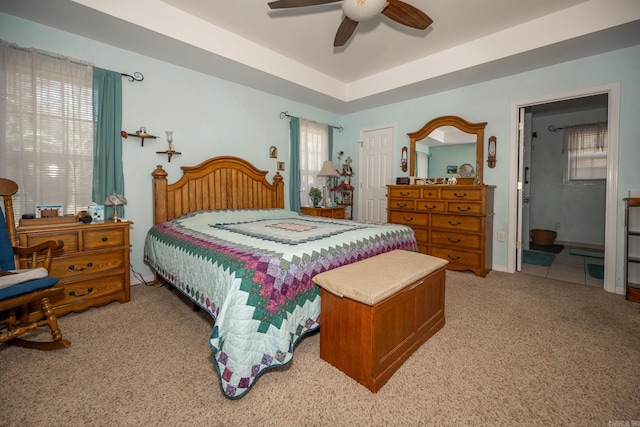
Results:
557 226
500 236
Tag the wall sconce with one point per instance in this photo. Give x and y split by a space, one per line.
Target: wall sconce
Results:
491 161
403 159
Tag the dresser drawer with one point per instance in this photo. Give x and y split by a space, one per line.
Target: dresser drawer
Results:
102 238
461 194
409 218
457 222
462 207
69 238
79 296
86 264
402 204
456 240
339 214
430 205
430 193
421 235
470 259
404 193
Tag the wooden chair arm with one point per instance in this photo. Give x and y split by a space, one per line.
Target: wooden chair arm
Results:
28 250
39 255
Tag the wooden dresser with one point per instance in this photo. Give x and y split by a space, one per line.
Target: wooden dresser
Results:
453 222
336 212
93 264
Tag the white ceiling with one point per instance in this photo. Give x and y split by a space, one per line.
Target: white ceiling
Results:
290 52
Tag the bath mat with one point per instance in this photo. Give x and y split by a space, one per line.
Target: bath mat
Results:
556 249
592 253
596 271
537 258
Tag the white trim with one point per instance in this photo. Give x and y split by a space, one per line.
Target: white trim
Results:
611 221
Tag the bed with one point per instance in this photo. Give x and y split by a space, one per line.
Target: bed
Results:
223 238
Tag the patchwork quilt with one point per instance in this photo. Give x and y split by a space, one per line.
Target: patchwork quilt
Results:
251 270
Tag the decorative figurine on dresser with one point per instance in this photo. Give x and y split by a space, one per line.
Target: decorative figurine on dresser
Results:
453 221
93 264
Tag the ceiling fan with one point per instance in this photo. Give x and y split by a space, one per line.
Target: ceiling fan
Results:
361 10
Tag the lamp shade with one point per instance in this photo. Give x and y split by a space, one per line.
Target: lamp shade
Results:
115 199
328 169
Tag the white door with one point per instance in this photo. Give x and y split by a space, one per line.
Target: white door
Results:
521 180
376 171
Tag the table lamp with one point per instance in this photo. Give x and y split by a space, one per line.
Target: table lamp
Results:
115 200
327 171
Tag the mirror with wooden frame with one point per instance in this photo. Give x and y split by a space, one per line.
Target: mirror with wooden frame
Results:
436 135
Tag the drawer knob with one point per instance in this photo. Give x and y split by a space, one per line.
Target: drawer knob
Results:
468 208
454 224
460 195
453 258
88 266
73 293
404 205
453 240
104 239
407 219
430 207
403 194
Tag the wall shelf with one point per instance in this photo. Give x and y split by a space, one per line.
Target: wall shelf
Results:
142 137
169 153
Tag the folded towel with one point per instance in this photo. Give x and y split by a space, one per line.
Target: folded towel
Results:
23 275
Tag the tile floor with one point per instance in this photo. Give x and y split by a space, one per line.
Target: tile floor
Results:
567 267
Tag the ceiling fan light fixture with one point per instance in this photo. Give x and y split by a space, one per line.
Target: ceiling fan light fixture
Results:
362 10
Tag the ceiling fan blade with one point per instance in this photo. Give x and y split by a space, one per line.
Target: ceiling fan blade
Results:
346 29
406 14
282 4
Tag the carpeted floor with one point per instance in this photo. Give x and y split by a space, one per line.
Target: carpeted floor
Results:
515 350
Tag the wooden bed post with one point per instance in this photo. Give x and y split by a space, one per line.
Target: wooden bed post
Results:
278 181
160 201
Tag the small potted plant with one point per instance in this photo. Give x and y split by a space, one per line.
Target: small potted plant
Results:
315 195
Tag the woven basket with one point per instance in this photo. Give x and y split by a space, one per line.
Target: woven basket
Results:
543 237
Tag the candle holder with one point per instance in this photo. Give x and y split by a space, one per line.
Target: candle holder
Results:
170 140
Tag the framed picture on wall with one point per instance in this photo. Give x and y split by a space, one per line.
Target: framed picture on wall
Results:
452 169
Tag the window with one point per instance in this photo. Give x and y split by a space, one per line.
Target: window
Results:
46 145
585 152
314 150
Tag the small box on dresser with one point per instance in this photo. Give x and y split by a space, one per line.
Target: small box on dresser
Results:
93 264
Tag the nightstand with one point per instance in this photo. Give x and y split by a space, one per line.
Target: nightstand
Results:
93 264
335 212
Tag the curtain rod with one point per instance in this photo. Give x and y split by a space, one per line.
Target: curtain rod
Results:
284 114
137 76
555 129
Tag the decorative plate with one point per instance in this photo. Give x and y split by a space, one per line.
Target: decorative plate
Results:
466 171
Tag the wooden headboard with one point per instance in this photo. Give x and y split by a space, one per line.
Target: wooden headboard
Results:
223 182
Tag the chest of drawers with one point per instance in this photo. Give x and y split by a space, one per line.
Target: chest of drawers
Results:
93 264
454 222
336 212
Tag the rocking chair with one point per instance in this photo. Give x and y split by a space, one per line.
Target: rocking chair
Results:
25 285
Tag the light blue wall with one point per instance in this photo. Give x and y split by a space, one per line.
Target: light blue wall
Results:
213 117
491 102
209 117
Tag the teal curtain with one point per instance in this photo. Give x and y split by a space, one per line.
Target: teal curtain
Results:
294 177
330 138
108 175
